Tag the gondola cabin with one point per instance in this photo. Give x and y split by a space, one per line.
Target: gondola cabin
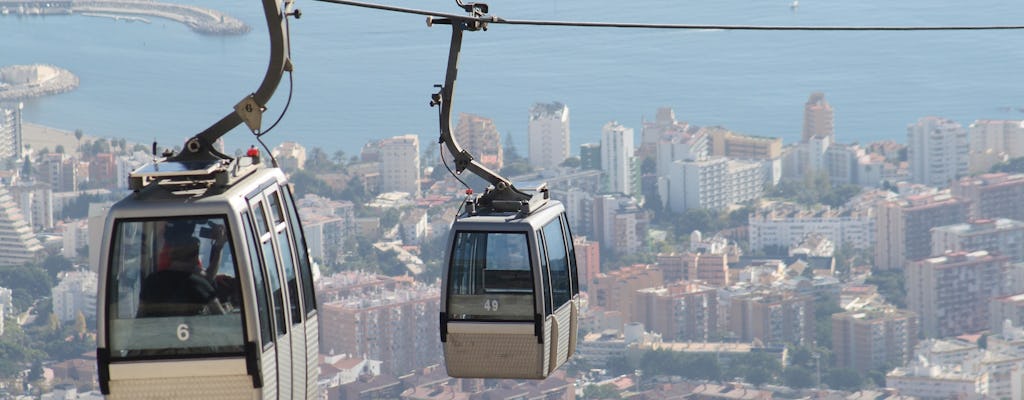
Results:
206 288
510 299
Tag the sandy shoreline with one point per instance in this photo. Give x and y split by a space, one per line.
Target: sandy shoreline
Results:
38 137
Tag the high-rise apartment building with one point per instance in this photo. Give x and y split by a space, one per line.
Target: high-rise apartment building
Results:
588 260
76 293
997 236
663 127
481 138
951 294
613 291
548 134
35 200
710 268
787 224
872 339
1006 308
400 164
818 118
291 156
682 311
993 140
619 224
60 171
730 144
681 146
992 196
393 320
617 157
772 316
713 183
19 246
903 226
590 156
937 151
10 132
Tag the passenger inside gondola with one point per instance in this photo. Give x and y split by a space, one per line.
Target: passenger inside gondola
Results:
181 288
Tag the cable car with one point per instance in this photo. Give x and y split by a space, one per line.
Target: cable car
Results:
206 287
510 296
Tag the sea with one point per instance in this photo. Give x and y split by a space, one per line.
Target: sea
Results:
363 74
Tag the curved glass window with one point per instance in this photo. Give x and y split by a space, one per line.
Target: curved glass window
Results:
490 277
173 289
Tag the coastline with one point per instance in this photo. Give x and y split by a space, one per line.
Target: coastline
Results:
200 20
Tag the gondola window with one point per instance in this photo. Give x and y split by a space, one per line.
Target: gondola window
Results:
491 278
174 287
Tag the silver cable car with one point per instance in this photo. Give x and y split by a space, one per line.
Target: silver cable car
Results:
510 295
206 287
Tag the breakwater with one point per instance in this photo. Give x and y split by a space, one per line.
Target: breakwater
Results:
200 20
20 82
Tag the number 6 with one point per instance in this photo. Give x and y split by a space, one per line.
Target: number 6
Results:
183 333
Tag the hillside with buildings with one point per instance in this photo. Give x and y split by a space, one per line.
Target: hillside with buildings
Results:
713 264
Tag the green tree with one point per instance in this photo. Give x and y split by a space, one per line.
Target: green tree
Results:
844 379
890 284
601 392
1013 165
571 162
26 282
798 377
55 264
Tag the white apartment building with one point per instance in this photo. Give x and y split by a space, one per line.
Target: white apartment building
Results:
617 156
681 147
75 293
35 199
75 237
713 183
788 224
937 149
952 293
17 243
1000 236
400 164
10 132
548 134
992 141
327 225
291 156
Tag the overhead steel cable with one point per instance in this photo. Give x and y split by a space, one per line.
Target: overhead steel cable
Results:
488 19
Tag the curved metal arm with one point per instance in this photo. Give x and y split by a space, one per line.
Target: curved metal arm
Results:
250 109
503 196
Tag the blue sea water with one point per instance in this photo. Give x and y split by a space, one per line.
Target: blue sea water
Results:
364 74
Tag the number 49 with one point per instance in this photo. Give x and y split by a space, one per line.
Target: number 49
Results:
491 304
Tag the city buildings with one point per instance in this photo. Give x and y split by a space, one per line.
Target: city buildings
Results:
614 291
951 293
819 120
548 134
358 310
400 164
713 183
681 311
999 236
903 226
618 223
617 159
937 151
772 316
76 293
19 244
328 225
993 141
991 196
873 338
786 225
11 146
291 156
481 138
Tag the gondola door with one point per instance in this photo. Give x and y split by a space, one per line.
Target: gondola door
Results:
286 255
560 290
282 337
